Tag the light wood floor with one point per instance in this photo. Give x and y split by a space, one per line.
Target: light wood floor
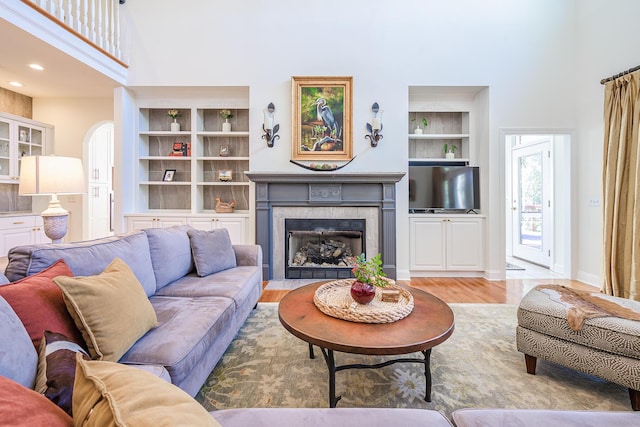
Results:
467 290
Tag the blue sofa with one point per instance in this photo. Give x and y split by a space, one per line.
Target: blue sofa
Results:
198 316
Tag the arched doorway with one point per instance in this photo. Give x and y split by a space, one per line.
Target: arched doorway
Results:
98 158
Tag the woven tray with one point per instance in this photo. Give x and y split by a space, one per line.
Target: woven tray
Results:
334 299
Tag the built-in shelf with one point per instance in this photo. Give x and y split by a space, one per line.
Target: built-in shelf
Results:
439 136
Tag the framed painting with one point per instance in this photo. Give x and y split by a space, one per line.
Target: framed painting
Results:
321 118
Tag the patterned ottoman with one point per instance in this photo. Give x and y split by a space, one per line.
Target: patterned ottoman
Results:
605 345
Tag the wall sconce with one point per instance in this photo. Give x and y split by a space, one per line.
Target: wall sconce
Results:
270 130
375 127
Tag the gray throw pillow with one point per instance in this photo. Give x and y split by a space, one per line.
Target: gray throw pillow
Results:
212 251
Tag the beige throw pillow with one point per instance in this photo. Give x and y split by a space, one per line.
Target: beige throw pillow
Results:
107 394
111 309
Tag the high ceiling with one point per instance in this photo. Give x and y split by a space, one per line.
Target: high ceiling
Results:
63 76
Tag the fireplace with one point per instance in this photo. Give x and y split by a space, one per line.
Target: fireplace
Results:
322 248
322 195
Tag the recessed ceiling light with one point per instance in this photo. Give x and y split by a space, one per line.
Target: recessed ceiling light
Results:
36 67
16 84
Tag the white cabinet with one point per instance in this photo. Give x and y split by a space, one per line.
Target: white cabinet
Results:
140 222
446 243
21 230
236 223
19 137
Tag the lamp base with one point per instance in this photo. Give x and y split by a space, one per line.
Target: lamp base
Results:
55 227
55 220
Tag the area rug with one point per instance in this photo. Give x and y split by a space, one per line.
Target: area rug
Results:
510 266
478 367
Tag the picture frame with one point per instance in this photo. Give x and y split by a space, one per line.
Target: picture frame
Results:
225 175
169 174
322 118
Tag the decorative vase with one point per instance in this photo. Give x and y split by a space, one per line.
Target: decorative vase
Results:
175 126
362 293
449 155
226 126
418 131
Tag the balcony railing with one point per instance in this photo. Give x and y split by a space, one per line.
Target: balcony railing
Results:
97 22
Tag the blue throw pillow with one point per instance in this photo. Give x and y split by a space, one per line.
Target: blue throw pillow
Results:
212 251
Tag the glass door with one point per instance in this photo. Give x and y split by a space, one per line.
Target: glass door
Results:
531 204
5 149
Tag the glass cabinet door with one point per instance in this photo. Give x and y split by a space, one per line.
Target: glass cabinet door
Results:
5 148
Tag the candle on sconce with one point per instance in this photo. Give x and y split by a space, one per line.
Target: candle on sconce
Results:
268 120
376 123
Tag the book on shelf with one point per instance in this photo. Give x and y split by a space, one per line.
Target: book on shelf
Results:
181 149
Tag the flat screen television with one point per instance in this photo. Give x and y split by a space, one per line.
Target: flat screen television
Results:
435 188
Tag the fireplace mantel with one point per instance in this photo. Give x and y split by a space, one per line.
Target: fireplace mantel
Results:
283 189
357 177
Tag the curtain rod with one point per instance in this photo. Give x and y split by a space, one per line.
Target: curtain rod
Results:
615 76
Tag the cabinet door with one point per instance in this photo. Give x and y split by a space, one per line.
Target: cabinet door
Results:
7 150
237 228
38 232
465 243
140 223
163 222
15 237
427 240
235 225
204 224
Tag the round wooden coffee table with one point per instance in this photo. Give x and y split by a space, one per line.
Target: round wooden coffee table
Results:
429 324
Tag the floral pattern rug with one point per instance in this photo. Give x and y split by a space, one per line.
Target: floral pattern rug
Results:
478 367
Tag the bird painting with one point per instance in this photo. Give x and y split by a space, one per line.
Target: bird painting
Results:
324 113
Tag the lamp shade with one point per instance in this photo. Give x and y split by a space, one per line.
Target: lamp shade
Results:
51 175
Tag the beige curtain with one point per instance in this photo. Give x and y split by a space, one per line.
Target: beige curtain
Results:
621 187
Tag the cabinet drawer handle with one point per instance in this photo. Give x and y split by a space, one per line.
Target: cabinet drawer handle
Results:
18 222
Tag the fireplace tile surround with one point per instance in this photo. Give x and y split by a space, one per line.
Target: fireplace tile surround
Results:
350 195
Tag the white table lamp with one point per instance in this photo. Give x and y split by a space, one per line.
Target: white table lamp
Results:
52 175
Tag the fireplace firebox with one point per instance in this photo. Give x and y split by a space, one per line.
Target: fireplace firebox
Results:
322 248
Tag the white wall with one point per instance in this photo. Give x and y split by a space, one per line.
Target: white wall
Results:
72 118
608 34
539 59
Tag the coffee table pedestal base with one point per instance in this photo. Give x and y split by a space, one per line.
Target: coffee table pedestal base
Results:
331 366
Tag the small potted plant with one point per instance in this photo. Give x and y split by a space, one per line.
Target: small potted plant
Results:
418 129
174 114
449 151
226 115
369 275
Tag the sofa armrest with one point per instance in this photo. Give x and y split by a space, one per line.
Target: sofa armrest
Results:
248 255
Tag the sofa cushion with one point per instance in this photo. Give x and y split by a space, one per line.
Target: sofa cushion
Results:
18 357
322 417
212 251
40 291
114 394
86 258
22 406
3 279
57 369
111 309
235 283
542 417
186 329
170 251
